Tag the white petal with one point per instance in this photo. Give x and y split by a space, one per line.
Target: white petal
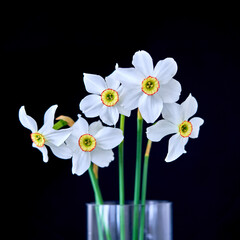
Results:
81 162
57 137
196 123
72 143
129 97
165 70
176 147
48 120
80 127
95 127
102 157
91 105
161 129
150 107
120 105
112 83
129 77
27 121
170 92
108 137
173 113
113 75
61 151
124 111
109 115
43 150
94 83
49 116
189 106
142 61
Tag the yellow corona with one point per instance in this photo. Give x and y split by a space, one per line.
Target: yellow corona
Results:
87 142
38 139
109 97
185 129
150 85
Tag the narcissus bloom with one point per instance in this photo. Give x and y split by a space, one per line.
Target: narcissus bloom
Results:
105 99
46 135
147 87
176 120
92 143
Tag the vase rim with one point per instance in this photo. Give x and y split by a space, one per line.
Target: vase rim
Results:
130 203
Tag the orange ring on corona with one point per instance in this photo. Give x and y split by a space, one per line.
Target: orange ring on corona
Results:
150 85
87 142
38 139
185 129
109 97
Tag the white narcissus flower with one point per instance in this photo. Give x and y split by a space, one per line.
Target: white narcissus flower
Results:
46 135
105 99
92 143
176 120
147 87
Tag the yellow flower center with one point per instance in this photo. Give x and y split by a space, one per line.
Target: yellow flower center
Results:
87 142
185 129
109 97
150 85
38 139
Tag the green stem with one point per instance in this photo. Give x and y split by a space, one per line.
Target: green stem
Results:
138 158
121 181
121 164
144 188
99 201
137 175
61 123
96 189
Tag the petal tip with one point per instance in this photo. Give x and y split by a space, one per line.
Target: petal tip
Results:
22 107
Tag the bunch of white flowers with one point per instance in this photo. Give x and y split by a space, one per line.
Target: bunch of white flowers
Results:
152 90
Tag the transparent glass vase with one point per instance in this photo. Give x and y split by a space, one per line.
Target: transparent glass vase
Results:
112 221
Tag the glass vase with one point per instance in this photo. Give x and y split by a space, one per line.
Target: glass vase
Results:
112 221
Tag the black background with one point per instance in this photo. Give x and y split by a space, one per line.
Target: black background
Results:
45 53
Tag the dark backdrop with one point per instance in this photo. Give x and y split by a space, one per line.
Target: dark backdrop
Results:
44 56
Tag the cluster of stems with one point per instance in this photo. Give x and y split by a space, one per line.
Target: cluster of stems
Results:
138 232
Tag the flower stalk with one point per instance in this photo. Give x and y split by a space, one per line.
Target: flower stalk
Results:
96 189
121 164
144 188
121 180
99 201
61 123
137 174
138 158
